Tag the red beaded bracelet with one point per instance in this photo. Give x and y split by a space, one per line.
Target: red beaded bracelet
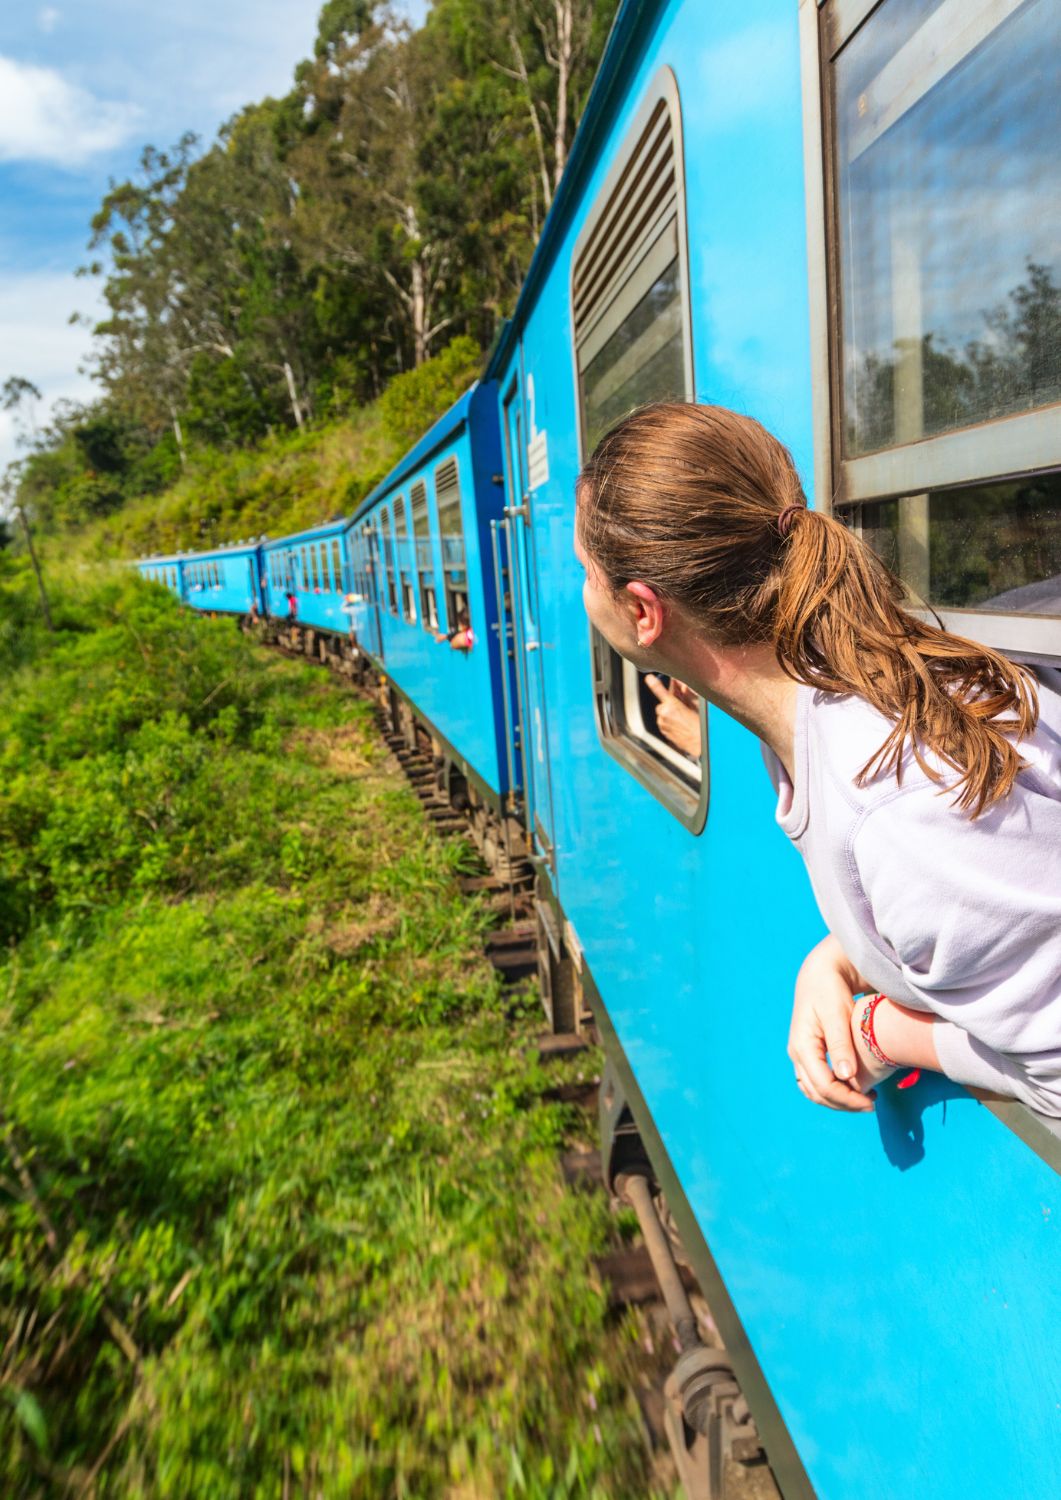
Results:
868 1037
872 1045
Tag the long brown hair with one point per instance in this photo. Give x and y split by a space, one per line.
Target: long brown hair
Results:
689 499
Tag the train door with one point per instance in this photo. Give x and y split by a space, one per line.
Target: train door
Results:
529 645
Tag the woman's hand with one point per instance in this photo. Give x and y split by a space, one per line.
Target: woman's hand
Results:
821 1024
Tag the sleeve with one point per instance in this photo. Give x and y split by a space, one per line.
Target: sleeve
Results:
970 909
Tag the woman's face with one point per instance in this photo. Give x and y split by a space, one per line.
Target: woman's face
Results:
613 613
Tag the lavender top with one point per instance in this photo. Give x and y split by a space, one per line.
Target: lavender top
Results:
942 912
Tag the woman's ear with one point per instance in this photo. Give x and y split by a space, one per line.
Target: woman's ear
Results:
648 611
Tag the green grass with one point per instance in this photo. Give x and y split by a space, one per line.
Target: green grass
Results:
280 1208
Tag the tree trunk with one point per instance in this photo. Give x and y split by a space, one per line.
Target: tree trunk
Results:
296 405
564 49
178 433
36 568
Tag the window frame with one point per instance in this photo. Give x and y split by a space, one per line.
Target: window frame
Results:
426 582
450 591
1008 447
637 272
406 592
386 540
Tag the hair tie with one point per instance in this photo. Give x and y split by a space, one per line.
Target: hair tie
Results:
785 519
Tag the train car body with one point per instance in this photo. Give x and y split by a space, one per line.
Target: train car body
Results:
164 570
888 1285
223 581
422 546
312 567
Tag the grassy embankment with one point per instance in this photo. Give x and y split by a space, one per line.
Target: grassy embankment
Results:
280 1210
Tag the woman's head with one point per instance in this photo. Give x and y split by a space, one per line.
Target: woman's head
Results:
702 509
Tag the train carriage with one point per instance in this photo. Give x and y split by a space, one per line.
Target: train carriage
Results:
887 1286
313 568
222 581
423 547
163 570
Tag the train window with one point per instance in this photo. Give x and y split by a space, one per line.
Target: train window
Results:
314 570
451 533
401 543
425 564
388 560
326 583
630 314
337 566
370 555
303 571
944 256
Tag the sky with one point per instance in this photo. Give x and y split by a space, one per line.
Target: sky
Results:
84 85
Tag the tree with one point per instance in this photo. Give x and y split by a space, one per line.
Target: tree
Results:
20 396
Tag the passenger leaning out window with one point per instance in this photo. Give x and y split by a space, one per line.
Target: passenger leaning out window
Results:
918 773
461 637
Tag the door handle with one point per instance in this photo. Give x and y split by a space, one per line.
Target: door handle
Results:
532 646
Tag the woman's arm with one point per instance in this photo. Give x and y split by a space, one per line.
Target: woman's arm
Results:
820 1033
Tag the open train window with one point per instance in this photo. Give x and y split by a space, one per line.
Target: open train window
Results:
337 566
630 314
388 560
942 227
401 544
425 564
451 531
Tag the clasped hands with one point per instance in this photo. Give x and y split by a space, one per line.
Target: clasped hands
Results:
819 1038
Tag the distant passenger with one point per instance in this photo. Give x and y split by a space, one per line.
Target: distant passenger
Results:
292 605
677 714
461 637
918 773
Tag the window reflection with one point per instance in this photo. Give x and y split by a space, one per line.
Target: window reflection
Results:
950 212
994 547
643 360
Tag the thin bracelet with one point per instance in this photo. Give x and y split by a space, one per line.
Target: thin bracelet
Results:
868 1036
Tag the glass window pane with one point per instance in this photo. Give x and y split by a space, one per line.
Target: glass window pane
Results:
642 361
388 561
949 207
994 547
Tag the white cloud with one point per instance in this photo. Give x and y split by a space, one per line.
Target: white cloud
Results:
45 118
38 342
48 19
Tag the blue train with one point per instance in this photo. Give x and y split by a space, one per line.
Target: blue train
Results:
843 217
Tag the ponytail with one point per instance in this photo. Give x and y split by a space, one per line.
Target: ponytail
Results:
840 626
706 506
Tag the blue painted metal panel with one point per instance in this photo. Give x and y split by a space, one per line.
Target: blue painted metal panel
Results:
297 565
224 581
460 692
163 570
897 1275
